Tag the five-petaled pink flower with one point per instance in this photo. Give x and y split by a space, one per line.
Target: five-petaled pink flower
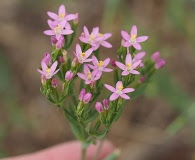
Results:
58 29
48 72
129 66
132 39
62 15
95 39
100 66
82 56
88 76
119 91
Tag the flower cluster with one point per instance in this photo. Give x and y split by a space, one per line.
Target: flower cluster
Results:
83 74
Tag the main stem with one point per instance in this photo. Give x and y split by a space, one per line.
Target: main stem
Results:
83 152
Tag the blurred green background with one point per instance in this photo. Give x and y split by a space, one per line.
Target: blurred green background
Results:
159 124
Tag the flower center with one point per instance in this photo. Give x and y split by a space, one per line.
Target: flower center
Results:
89 76
57 29
82 55
48 70
100 63
91 38
128 66
133 38
61 16
120 87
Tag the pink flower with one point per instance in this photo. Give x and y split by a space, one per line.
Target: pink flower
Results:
82 56
118 91
62 15
100 66
47 59
58 29
99 107
129 66
95 39
69 75
132 39
88 76
159 62
48 72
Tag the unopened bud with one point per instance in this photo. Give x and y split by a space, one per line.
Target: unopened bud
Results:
160 63
74 62
43 79
69 75
82 93
99 107
106 103
54 82
75 21
61 59
53 40
60 43
87 97
65 55
47 59
113 63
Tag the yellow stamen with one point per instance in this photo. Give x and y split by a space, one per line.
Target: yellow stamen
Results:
133 36
82 54
100 63
128 65
89 75
48 70
61 15
92 37
57 29
120 87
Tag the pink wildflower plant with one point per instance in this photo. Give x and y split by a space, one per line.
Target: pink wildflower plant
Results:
100 66
47 71
82 56
119 91
129 66
95 39
88 76
132 39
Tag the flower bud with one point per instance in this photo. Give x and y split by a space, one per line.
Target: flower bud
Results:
47 59
113 63
43 79
160 63
75 21
60 43
99 107
106 103
69 75
65 53
155 57
53 40
54 82
82 93
142 79
74 62
87 97
61 59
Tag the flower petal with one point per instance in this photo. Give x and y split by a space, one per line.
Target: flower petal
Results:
125 35
95 31
62 9
53 67
86 69
134 30
126 44
134 72
124 96
107 70
43 66
78 49
119 84
141 39
52 15
112 89
120 65
82 39
127 90
107 35
66 32
137 63
113 97
82 76
86 32
124 73
40 71
137 46
139 56
106 62
88 52
106 44
71 17
128 58
49 32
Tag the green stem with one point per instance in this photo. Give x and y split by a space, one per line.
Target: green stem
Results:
83 152
97 153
